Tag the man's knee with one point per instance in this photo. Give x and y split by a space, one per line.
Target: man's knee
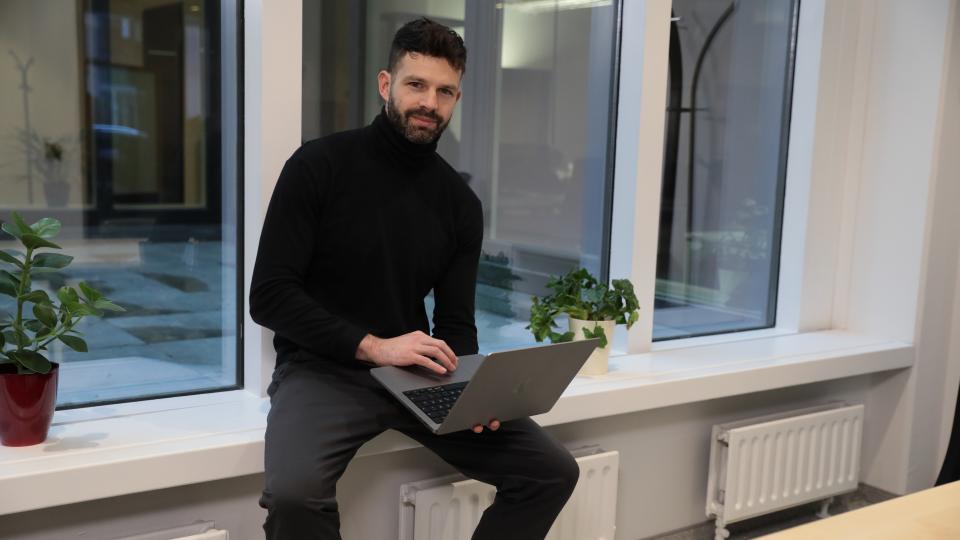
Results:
567 471
301 493
558 473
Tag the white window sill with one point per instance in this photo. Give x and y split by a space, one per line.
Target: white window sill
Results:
120 449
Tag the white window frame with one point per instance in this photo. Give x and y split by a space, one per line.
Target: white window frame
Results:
811 266
805 300
805 291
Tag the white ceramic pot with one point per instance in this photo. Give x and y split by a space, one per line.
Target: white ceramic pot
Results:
597 363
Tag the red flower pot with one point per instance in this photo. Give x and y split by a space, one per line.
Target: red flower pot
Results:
26 405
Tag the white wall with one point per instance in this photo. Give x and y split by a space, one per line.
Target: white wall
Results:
938 324
902 251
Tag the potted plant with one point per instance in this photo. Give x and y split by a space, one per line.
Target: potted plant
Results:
593 308
28 379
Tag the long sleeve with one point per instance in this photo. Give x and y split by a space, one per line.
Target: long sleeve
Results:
454 293
279 299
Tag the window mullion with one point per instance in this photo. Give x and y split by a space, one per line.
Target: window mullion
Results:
639 156
272 88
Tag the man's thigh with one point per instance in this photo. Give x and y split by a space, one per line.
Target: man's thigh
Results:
520 449
320 415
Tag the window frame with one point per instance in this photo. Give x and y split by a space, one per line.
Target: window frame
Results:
804 303
810 266
231 112
271 103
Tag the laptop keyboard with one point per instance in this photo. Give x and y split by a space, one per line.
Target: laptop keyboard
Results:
436 401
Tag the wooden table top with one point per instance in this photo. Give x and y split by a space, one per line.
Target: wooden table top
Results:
931 514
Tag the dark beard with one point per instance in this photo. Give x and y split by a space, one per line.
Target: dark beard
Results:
415 134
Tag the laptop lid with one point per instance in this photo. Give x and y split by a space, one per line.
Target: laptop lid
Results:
503 385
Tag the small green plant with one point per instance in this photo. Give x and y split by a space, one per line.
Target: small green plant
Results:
582 296
24 340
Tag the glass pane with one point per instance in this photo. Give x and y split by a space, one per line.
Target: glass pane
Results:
531 133
118 118
727 123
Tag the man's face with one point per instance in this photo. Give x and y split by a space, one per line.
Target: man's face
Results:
420 96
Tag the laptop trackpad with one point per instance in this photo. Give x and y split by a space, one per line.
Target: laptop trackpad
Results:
411 377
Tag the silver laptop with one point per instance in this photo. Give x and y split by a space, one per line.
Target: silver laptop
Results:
504 385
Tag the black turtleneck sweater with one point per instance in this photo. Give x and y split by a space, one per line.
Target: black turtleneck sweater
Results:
361 226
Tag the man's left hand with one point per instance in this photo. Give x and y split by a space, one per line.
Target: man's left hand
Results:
492 426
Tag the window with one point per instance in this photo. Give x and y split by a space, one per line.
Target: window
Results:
141 98
725 152
532 134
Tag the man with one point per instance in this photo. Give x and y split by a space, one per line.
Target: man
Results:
361 226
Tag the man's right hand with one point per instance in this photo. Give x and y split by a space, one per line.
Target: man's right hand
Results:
415 348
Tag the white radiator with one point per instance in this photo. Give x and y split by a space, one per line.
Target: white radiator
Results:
774 462
449 508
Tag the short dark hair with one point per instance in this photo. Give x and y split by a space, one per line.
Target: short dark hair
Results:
431 38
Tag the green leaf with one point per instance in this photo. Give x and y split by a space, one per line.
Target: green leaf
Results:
9 336
52 260
596 332
41 270
3 341
68 296
90 293
593 295
33 325
46 228
7 290
32 241
21 224
577 313
6 256
9 277
11 229
84 310
74 343
9 284
37 297
16 337
107 305
45 314
31 360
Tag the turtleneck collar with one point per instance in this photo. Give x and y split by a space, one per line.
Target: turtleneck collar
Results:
407 152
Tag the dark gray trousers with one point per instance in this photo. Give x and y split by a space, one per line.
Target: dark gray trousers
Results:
322 412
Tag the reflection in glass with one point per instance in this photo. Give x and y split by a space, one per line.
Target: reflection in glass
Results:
727 121
531 134
112 120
